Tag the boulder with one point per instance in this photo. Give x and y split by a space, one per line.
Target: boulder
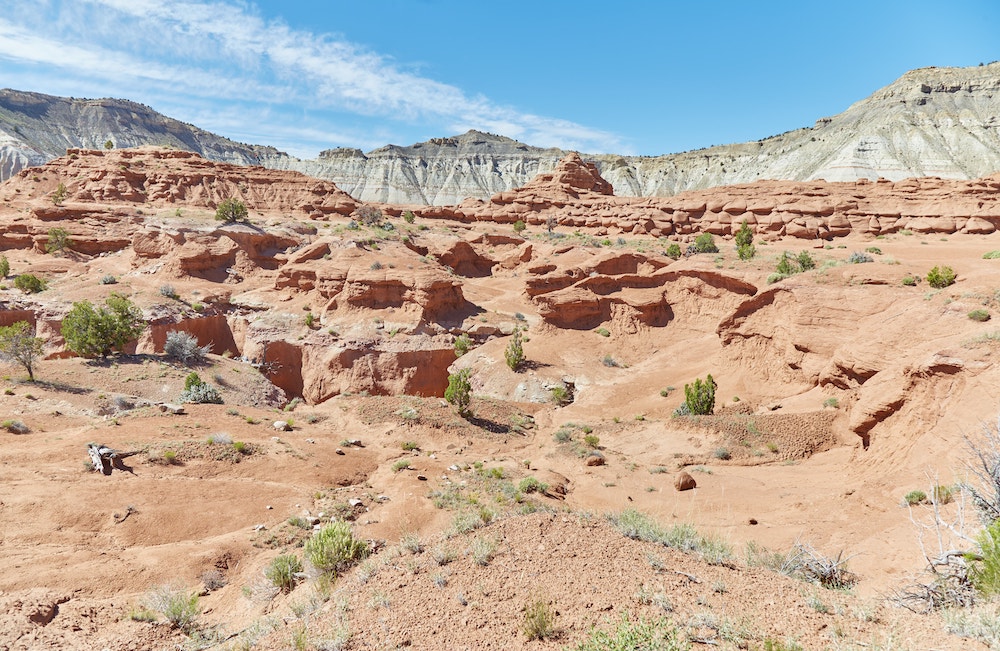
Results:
684 481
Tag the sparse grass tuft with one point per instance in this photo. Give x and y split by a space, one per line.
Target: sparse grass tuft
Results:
683 537
411 543
442 555
943 494
15 426
654 635
283 572
539 620
334 548
981 623
482 550
180 608
532 485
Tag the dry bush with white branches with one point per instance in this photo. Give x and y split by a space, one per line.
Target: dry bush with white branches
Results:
948 540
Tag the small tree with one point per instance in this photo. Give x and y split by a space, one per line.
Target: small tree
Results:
705 243
232 210
514 354
18 344
786 264
462 344
59 195
30 283
4 267
409 217
700 396
459 391
108 144
58 241
93 332
519 226
744 242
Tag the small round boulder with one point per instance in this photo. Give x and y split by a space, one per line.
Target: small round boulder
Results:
684 482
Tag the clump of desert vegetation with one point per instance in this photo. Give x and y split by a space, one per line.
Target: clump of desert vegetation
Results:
941 277
789 265
962 575
183 347
97 331
232 210
334 549
19 344
699 398
744 242
197 390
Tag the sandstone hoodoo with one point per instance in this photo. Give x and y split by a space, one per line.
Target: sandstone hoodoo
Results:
283 409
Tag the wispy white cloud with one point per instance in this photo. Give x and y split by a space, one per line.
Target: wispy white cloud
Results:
220 50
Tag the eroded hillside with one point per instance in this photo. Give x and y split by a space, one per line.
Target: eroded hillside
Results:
839 390
931 122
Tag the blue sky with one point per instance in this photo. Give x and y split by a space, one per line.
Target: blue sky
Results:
641 77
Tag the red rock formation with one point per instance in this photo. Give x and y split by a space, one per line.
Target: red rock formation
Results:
155 177
352 278
629 290
575 196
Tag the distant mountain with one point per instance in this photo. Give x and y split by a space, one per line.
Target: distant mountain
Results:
441 171
930 122
35 128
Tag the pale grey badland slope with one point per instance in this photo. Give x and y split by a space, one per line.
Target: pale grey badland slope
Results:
930 122
35 128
